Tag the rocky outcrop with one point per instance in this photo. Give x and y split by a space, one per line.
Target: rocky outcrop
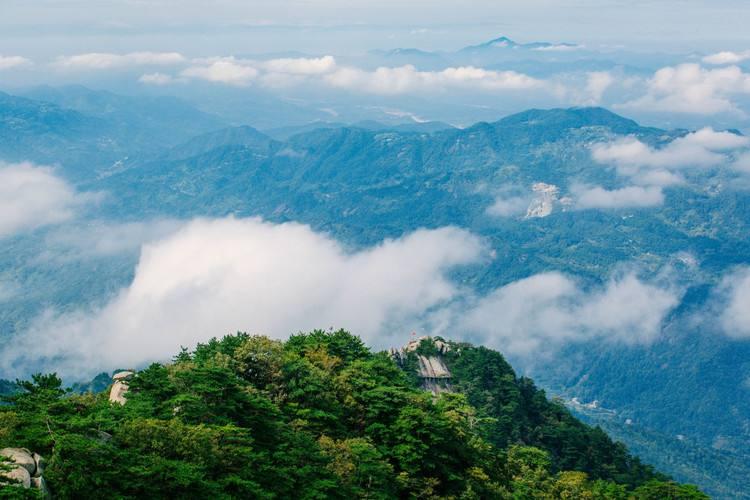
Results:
120 387
545 198
431 369
27 468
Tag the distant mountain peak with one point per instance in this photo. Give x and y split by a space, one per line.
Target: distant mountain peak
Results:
569 117
503 42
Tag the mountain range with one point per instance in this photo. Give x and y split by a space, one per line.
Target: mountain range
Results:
365 183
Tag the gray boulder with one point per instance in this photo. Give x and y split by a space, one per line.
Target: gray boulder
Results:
19 475
27 469
22 457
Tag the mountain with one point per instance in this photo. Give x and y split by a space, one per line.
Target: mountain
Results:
150 122
428 127
362 186
504 42
244 136
46 133
724 474
424 127
318 416
86 131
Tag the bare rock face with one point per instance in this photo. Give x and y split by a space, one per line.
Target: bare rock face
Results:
545 199
22 457
28 468
20 476
40 484
41 464
120 387
435 375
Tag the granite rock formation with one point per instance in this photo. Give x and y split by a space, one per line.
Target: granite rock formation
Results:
27 468
120 387
431 368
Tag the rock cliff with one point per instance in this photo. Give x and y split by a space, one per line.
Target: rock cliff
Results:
430 366
120 387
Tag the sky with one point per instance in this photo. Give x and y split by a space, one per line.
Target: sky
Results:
48 27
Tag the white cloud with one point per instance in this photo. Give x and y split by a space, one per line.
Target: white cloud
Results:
626 197
325 71
742 163
656 177
300 66
285 72
630 152
8 62
508 206
105 60
597 84
648 166
734 297
226 70
156 79
407 79
214 277
549 309
713 140
727 57
33 196
271 73
690 88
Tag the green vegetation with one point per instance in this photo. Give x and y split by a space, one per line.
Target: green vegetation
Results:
318 416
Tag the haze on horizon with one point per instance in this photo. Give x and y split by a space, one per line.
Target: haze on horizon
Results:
46 28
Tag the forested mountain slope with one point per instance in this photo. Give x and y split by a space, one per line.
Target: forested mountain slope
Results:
318 416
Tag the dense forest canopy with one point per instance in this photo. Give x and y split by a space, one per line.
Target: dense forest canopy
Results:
318 416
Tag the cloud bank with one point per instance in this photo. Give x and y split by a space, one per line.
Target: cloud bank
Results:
734 296
726 57
698 149
8 62
548 309
325 71
214 277
407 79
32 196
510 201
690 88
651 169
225 70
